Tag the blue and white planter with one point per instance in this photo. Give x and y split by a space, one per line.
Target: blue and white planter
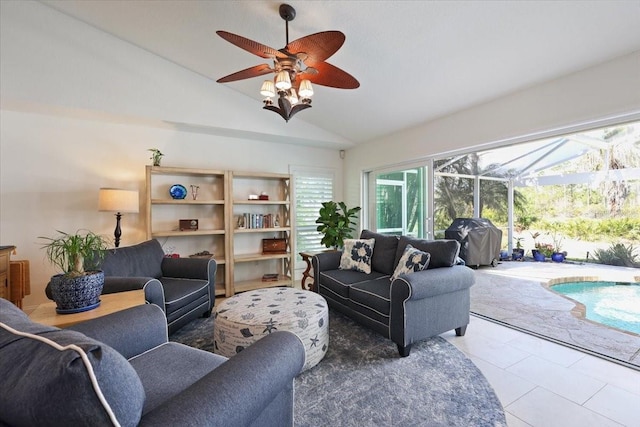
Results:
77 294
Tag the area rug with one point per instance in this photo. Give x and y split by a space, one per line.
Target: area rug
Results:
515 296
362 381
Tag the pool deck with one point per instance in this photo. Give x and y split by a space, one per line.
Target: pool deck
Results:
516 294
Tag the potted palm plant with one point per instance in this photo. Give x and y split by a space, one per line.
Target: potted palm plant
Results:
80 284
335 223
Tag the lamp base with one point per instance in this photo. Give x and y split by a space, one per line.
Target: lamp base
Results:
117 232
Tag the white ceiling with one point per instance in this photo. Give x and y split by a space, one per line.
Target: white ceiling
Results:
415 60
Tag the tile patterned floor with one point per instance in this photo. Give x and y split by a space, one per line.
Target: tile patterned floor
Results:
544 384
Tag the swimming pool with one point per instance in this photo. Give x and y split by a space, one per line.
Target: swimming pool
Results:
615 304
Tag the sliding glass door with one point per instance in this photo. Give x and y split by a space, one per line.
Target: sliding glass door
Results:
400 202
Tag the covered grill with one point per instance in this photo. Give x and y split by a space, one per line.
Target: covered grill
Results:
479 239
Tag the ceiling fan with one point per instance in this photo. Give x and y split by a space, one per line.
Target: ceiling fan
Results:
296 66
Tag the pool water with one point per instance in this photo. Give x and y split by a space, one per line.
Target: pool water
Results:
615 304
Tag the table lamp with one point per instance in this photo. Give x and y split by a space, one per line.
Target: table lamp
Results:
117 200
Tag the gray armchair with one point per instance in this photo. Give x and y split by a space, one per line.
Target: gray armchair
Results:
184 288
120 369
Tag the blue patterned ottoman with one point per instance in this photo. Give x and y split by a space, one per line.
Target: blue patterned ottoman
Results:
245 318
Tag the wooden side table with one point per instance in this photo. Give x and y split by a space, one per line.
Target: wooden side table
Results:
109 303
308 273
5 276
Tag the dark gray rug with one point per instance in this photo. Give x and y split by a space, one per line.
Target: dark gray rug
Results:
362 381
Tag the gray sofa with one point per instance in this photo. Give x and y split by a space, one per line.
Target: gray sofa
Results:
412 307
184 288
121 370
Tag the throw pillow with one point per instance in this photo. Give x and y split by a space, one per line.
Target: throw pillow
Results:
412 260
357 255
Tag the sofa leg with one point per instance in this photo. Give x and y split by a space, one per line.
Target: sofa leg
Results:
461 330
404 351
207 314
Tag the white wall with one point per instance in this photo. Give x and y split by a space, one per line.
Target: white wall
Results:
609 90
79 111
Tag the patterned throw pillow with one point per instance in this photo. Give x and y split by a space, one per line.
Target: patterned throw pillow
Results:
357 255
412 260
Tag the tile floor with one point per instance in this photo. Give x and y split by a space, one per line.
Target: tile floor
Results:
541 383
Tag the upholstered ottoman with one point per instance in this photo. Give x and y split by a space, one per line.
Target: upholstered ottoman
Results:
245 318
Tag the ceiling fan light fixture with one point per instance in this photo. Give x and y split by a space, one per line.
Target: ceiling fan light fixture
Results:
305 56
293 97
283 82
268 89
306 90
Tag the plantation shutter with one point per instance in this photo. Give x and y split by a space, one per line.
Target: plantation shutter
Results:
312 188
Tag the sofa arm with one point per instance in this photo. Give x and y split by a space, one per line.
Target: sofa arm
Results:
237 392
190 268
325 261
130 332
153 291
431 282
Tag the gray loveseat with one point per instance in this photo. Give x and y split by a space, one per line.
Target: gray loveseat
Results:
121 370
410 308
184 288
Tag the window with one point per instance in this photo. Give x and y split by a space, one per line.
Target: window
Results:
400 201
312 187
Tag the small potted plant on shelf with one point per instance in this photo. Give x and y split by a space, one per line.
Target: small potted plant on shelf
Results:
335 223
80 284
156 156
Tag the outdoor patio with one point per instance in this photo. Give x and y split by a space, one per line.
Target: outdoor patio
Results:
515 294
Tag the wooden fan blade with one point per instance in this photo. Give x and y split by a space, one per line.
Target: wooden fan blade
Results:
251 46
331 76
318 46
248 73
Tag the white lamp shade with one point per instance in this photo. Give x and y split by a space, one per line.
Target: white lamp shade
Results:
268 89
305 91
293 97
283 82
117 200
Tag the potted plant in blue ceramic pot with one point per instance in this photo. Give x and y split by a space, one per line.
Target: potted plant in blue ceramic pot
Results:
80 284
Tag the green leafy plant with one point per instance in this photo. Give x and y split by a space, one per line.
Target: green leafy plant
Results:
75 253
335 223
618 254
518 242
156 156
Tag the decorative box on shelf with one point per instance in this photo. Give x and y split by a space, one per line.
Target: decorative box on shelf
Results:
188 224
274 246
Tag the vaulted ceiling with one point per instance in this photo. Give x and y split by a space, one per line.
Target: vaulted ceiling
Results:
415 60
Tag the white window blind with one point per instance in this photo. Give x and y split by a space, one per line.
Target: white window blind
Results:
312 188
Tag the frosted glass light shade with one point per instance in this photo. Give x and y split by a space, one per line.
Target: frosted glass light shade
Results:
283 82
268 89
305 91
117 200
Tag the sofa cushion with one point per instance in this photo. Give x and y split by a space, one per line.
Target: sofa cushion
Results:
385 254
141 260
187 366
357 255
62 376
338 282
373 294
444 253
412 260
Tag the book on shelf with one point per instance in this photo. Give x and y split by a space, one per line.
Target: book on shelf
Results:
269 277
253 221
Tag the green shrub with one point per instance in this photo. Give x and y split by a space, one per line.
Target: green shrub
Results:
619 255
